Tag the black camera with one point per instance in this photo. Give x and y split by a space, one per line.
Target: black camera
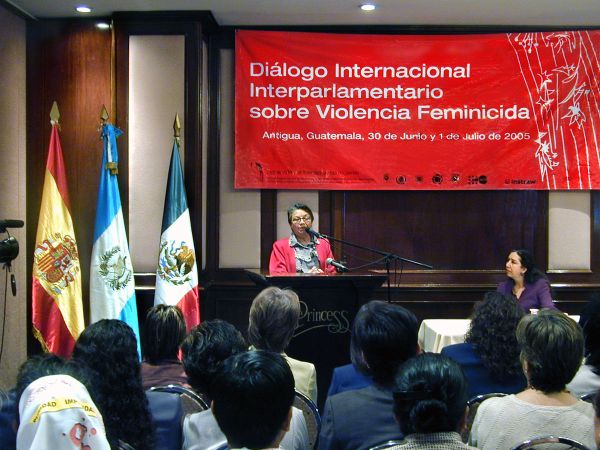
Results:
9 247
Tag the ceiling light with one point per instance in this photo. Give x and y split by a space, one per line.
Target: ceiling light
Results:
84 9
368 7
102 25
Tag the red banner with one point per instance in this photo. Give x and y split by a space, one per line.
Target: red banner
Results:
341 111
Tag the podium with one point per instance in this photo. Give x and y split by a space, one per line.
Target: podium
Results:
328 304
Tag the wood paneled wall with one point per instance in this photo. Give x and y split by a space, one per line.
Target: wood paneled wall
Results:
70 62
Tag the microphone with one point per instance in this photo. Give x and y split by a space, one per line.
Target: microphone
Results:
339 266
313 233
8 223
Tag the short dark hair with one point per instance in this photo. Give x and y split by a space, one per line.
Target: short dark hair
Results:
204 350
430 394
301 206
552 344
492 333
164 331
273 318
387 335
253 393
589 320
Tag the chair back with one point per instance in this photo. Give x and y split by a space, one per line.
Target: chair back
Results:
589 397
387 444
544 440
311 417
190 400
473 404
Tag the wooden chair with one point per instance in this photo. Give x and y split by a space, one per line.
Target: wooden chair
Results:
311 417
543 440
473 404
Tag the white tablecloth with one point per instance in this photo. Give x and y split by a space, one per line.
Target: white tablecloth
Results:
435 334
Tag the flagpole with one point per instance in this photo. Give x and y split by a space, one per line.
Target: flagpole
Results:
177 129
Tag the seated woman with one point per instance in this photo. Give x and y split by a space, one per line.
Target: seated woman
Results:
301 252
526 283
164 331
587 378
551 353
430 403
490 354
109 349
274 316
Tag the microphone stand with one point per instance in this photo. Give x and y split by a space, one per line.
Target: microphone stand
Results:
387 256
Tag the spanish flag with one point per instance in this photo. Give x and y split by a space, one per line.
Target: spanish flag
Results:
56 294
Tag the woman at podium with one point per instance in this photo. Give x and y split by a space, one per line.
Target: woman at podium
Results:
301 252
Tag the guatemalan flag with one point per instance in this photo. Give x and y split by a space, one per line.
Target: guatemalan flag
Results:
177 272
112 289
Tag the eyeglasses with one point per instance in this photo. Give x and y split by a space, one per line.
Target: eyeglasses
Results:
306 219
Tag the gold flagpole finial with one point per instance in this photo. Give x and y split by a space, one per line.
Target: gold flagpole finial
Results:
104 114
54 114
177 127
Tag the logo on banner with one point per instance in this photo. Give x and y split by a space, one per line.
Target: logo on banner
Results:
114 269
57 261
175 262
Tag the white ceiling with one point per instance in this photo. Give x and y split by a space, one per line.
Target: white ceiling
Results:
345 12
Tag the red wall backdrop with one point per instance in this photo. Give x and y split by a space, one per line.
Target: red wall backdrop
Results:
344 111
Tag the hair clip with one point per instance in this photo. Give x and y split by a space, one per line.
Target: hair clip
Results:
413 395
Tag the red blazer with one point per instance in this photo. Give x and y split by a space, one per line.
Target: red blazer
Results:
283 257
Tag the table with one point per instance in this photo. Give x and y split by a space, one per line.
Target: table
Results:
435 334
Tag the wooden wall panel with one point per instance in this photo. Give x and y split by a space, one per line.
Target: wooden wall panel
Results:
70 62
457 230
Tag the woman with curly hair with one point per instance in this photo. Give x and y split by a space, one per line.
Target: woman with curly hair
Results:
109 348
490 354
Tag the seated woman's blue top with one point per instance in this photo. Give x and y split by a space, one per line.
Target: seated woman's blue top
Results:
478 376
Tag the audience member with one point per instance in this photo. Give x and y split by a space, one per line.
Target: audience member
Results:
204 350
57 412
109 348
587 378
597 419
35 367
351 376
8 419
430 403
253 395
526 283
274 316
490 355
164 331
551 353
359 419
